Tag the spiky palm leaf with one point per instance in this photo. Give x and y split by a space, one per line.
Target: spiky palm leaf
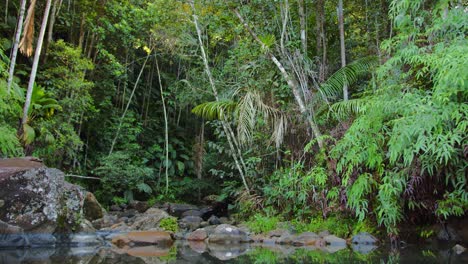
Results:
344 109
220 110
332 88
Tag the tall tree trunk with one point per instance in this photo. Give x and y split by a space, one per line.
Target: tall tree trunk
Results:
166 127
37 56
302 20
6 12
235 151
82 32
342 45
321 39
128 105
291 81
14 53
50 28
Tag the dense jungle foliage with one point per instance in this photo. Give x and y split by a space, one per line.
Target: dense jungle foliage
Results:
294 110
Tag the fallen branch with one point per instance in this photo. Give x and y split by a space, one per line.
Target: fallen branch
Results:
82 177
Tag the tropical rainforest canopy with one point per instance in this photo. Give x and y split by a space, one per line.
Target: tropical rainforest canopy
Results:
291 108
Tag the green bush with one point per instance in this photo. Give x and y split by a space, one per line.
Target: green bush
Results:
262 224
169 224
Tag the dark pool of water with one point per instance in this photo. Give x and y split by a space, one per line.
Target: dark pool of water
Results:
244 253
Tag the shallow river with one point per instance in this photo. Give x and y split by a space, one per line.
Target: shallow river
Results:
183 252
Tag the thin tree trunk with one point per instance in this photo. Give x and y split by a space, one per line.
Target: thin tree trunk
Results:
234 152
302 20
50 31
166 129
321 39
6 12
128 105
37 56
342 45
14 54
82 32
292 83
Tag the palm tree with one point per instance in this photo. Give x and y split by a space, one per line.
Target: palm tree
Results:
37 55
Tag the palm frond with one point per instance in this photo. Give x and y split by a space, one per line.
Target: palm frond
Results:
344 109
219 110
333 87
26 43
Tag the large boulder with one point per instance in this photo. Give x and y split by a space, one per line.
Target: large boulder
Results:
91 208
37 199
227 234
190 222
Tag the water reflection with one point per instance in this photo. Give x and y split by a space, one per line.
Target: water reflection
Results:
199 252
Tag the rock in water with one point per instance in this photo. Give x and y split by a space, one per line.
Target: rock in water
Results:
458 249
37 199
226 234
364 238
91 208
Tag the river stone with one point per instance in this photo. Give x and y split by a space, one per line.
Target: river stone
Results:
459 249
38 199
228 234
285 239
91 208
197 235
107 221
178 209
334 241
141 207
277 233
190 222
214 220
448 233
149 220
364 238
306 239
191 213
142 238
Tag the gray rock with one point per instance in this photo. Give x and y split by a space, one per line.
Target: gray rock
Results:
149 220
39 200
92 209
224 220
364 238
214 220
204 224
191 213
190 222
226 234
106 221
448 233
2 203
178 209
458 249
9 229
306 239
198 235
324 233
141 207
334 241
86 227
115 208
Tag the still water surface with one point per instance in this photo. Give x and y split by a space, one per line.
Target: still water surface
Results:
244 253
